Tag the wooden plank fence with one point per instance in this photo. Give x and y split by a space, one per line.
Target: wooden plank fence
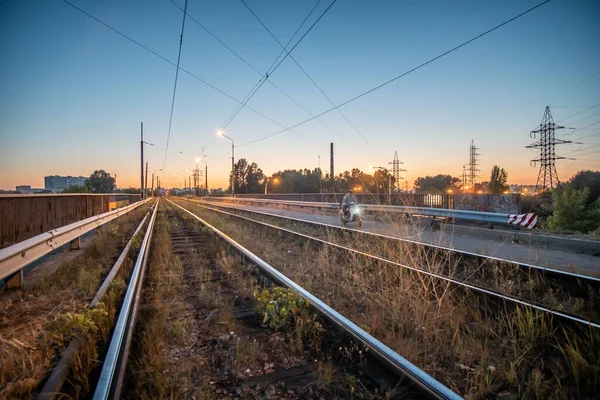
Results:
25 216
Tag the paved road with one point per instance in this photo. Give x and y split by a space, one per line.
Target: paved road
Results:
557 259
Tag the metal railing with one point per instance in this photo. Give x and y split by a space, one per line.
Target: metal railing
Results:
415 374
17 256
439 200
55 382
477 216
111 377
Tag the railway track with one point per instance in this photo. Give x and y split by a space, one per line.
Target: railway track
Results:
569 297
463 331
218 290
216 346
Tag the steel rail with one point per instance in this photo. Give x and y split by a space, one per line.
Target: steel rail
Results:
17 256
478 216
488 292
112 363
557 272
393 359
53 385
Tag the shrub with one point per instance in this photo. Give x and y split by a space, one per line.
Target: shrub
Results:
571 211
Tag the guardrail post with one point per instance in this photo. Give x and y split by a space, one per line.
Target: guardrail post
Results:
14 281
75 244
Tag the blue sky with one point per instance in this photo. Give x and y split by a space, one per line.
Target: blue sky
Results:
74 92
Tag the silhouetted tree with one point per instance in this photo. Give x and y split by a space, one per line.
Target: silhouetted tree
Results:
587 179
498 178
100 182
440 183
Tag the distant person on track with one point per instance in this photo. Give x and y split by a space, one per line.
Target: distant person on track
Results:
348 200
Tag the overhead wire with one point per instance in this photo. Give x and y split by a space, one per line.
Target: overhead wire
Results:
180 68
272 70
579 113
237 109
403 74
577 86
312 81
175 85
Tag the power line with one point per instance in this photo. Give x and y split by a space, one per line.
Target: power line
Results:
175 65
312 81
238 108
584 119
251 66
175 85
577 86
407 72
578 113
271 71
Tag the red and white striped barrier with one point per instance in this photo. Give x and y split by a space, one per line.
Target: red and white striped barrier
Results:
528 220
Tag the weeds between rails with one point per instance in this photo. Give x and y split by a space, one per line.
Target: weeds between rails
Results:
562 293
518 354
38 322
200 336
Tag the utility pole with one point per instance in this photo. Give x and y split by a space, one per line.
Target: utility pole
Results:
142 158
331 172
153 184
232 170
145 181
206 178
473 164
547 177
190 183
464 178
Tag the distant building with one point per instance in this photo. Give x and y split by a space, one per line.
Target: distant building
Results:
57 183
27 189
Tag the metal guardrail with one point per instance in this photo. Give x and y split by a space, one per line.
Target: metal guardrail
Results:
55 382
415 374
478 216
17 256
109 384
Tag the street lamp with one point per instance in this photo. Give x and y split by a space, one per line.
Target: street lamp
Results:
267 180
222 134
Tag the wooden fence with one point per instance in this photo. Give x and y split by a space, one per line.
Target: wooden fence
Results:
25 216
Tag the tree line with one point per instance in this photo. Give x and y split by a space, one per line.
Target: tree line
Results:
250 178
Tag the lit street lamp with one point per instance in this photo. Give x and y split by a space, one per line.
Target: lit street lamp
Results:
267 180
222 134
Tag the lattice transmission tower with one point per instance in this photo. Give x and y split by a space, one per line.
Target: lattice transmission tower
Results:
473 164
547 177
396 170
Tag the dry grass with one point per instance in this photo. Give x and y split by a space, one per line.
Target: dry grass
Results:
217 356
38 323
476 349
503 277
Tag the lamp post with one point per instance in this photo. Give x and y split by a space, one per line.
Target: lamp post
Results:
142 143
199 159
156 170
221 133
267 180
